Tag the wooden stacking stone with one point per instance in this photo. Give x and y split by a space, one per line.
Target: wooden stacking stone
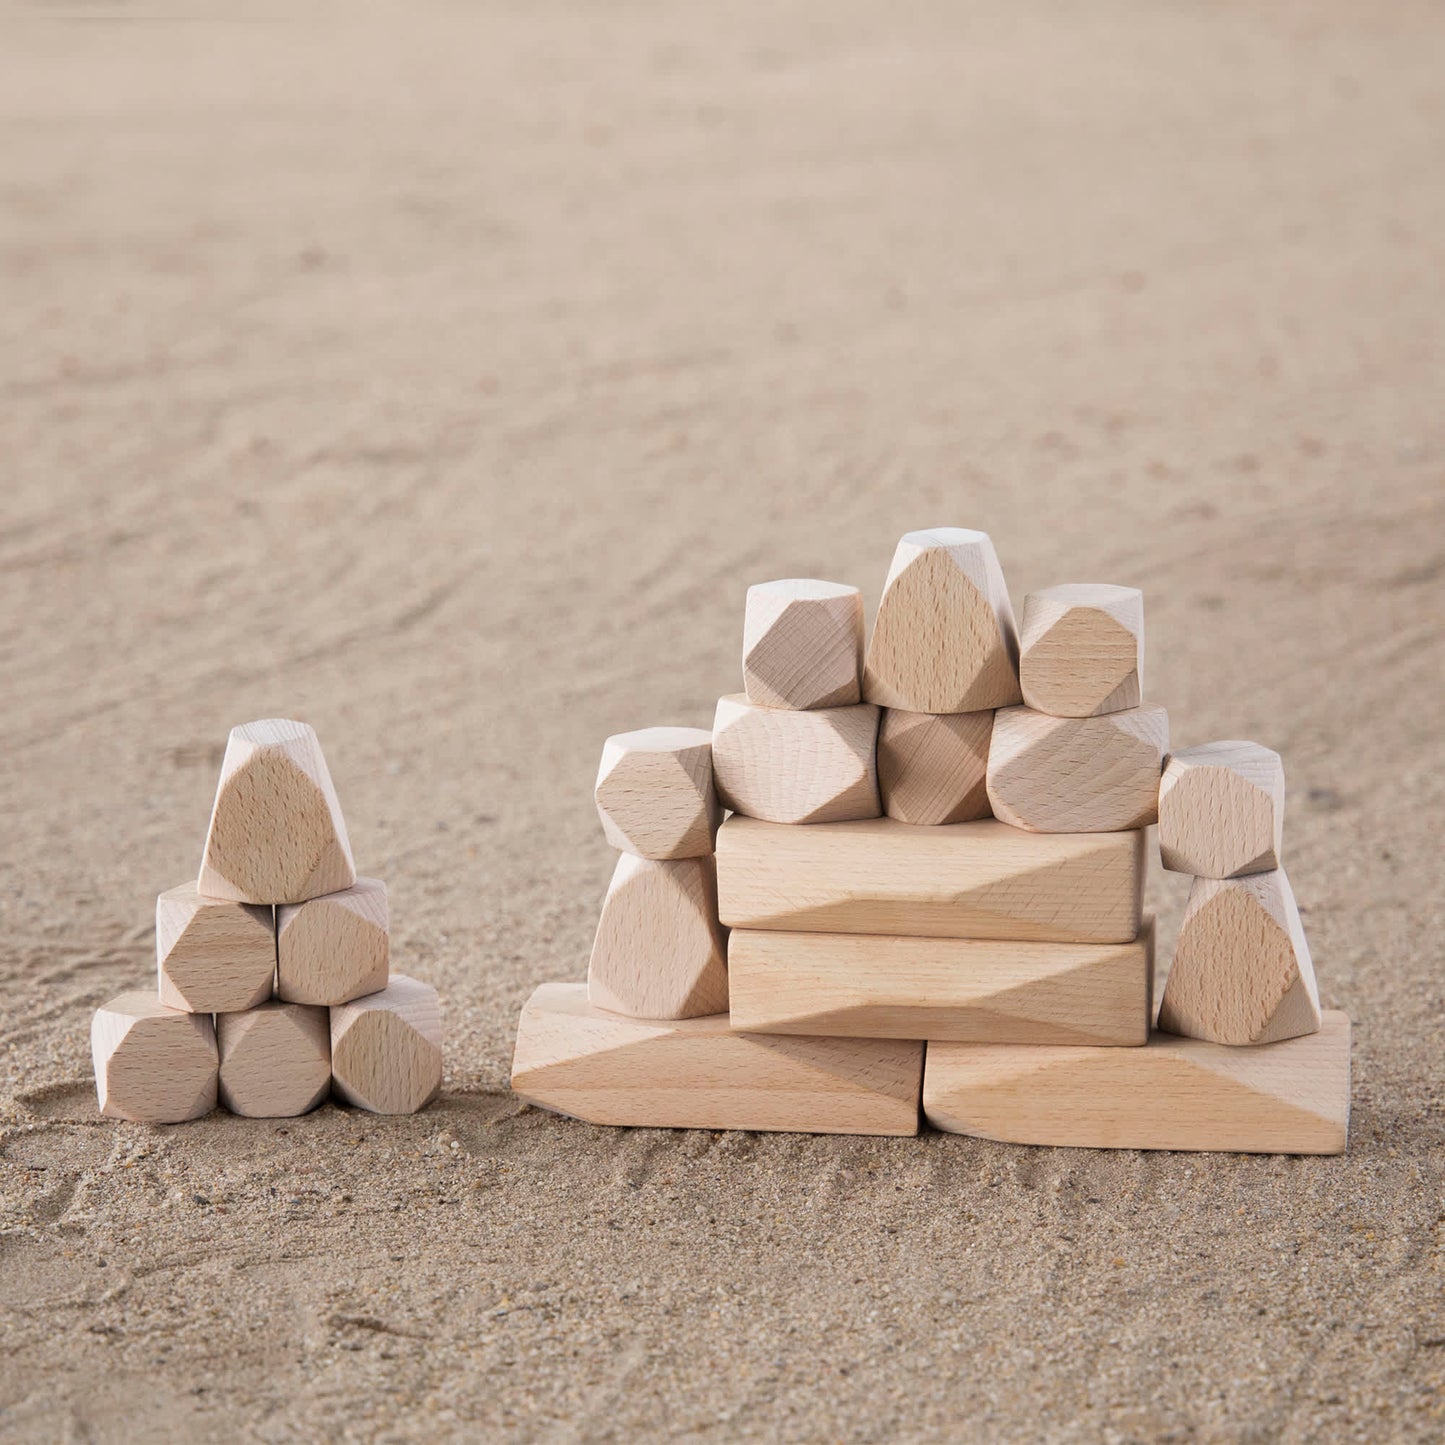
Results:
275 1060
932 767
1081 649
1221 810
212 955
153 1064
655 792
332 949
802 644
386 1048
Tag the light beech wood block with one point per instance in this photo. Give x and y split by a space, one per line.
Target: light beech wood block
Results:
850 985
335 948
1221 810
577 1059
659 952
944 639
213 956
276 833
275 1060
803 644
961 880
1081 649
153 1064
932 767
1242 972
1077 775
655 793
386 1048
818 766
1285 1098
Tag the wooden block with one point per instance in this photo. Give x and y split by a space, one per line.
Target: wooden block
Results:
1285 1098
275 1060
851 985
1081 649
1077 775
213 956
655 794
1221 810
1242 972
944 638
932 767
276 834
698 1074
386 1048
153 1064
961 880
659 952
818 766
335 948
802 644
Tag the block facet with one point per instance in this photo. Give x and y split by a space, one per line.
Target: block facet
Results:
335 948
386 1048
153 1064
802 644
932 767
275 1060
655 793
1081 649
213 956
1221 810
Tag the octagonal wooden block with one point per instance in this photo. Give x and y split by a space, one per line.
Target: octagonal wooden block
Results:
212 955
386 1048
332 949
802 644
933 767
153 1064
1221 810
655 792
1081 649
275 1060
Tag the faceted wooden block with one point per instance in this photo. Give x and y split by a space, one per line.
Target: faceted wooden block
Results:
153 1064
275 1060
1081 649
213 956
655 794
1077 775
335 948
660 952
802 644
1221 810
932 767
1242 972
796 767
386 1048
944 638
276 834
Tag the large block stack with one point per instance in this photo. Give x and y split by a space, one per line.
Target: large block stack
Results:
274 974
927 898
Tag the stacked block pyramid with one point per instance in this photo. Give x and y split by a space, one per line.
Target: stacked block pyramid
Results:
274 971
926 898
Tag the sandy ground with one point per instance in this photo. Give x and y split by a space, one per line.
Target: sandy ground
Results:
442 376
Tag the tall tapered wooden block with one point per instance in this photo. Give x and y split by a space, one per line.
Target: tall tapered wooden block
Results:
386 1048
213 956
335 948
932 767
1221 810
275 1060
655 792
1081 649
802 644
153 1064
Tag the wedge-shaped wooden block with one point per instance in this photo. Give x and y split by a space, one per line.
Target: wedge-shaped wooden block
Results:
854 986
332 949
802 644
944 639
1077 775
961 880
213 956
932 767
698 1074
276 834
1242 972
655 794
386 1048
153 1064
1221 810
1285 1098
1081 649
275 1060
818 766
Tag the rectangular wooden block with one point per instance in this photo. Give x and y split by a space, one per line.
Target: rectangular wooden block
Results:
698 1074
960 880
965 990
1286 1098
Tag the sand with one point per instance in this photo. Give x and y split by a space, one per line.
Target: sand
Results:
442 376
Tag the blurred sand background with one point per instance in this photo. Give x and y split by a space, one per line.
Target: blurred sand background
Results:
442 375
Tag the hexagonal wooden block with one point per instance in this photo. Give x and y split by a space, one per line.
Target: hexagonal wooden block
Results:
1242 972
655 792
944 639
153 1064
276 833
803 644
819 766
212 955
1221 810
1077 775
1081 649
386 1048
275 1060
660 952
332 949
932 767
